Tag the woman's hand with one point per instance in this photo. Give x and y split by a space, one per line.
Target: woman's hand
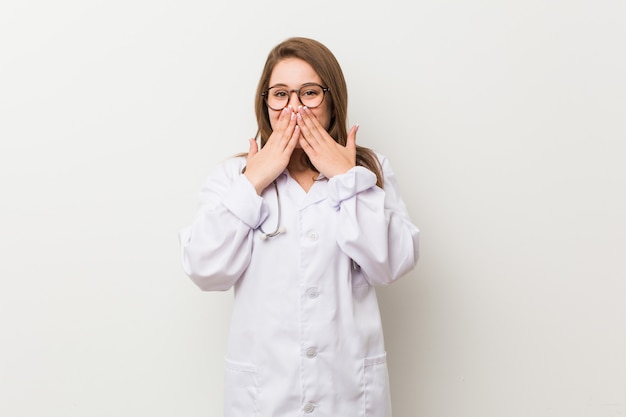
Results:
263 166
329 157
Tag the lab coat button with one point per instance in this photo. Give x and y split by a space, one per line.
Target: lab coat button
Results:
308 407
313 236
311 353
312 292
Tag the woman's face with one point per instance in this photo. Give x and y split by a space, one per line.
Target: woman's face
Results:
292 73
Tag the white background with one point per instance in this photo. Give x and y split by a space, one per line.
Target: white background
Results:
504 121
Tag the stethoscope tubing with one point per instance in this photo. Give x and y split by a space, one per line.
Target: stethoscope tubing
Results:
279 229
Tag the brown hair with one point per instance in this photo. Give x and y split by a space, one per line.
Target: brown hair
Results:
326 66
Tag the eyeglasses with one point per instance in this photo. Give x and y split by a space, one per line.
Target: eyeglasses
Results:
310 95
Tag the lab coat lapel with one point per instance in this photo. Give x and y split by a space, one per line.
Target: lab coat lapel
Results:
317 192
299 197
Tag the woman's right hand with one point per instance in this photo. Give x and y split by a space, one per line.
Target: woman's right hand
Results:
264 165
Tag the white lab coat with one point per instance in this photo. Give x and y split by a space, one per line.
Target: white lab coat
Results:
306 336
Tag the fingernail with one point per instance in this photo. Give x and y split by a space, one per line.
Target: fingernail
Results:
293 115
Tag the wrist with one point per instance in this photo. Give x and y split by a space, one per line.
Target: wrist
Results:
258 185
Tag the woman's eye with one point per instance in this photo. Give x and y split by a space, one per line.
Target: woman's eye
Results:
281 94
310 93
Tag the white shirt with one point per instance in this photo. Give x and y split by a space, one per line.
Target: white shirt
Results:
306 336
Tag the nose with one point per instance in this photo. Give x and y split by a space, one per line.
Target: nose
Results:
294 99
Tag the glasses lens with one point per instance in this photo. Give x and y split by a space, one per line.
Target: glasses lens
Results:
311 95
277 98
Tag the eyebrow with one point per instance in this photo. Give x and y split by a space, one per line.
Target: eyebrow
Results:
285 85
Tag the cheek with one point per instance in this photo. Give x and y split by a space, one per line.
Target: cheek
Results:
323 116
273 118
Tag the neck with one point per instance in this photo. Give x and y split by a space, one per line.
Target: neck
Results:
297 163
300 171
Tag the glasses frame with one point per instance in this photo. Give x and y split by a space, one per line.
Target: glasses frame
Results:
297 91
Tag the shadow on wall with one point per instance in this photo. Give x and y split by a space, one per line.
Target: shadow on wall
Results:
405 312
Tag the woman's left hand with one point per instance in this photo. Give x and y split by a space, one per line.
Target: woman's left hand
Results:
329 157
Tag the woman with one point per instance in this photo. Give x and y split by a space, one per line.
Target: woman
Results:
303 227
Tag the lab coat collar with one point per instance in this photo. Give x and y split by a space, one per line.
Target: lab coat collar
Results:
295 192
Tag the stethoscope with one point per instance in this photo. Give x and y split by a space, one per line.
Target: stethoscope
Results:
279 229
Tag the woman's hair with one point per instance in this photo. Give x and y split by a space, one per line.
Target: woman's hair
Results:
326 66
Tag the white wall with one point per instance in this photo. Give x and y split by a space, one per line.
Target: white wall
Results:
503 120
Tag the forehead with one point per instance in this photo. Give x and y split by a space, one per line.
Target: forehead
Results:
293 72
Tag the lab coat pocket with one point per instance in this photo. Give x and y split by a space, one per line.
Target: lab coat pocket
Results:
377 401
241 390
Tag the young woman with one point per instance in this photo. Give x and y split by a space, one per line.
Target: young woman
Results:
304 227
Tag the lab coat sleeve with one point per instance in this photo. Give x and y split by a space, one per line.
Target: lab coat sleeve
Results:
217 246
375 229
